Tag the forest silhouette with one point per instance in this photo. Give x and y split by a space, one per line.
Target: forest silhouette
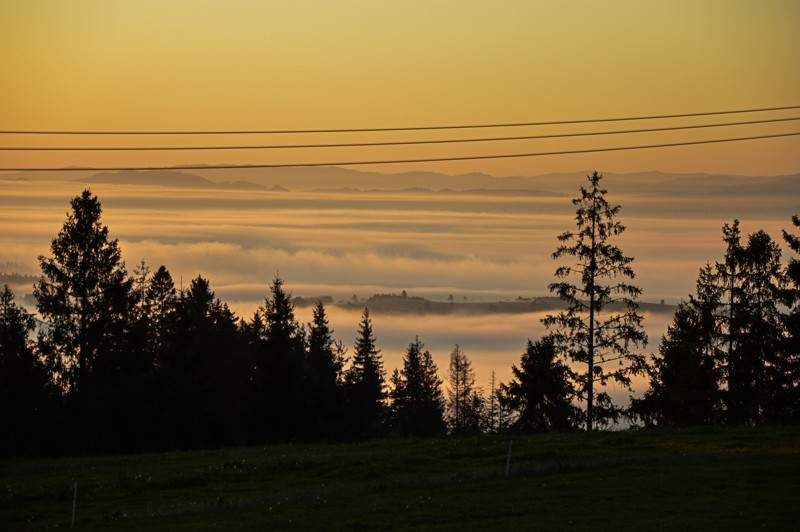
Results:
119 361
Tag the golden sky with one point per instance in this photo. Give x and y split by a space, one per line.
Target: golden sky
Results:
157 65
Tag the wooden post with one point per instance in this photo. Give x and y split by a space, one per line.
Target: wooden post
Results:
508 460
74 502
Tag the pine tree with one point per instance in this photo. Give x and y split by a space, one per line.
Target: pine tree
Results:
541 391
89 343
761 371
280 365
789 398
417 401
683 379
751 277
161 301
84 295
465 408
365 383
580 333
204 377
324 374
24 383
730 274
793 268
758 372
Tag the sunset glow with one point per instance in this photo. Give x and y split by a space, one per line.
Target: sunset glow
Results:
312 64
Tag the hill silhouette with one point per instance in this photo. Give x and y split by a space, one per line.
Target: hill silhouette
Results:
338 179
170 178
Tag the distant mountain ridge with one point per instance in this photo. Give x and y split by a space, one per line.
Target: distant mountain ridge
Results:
169 178
331 178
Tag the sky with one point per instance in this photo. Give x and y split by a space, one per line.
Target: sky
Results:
255 65
200 65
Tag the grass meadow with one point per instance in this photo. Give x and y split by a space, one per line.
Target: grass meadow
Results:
698 479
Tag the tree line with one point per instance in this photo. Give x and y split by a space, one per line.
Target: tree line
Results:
119 361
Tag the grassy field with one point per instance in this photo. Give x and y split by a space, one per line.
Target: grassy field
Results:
701 479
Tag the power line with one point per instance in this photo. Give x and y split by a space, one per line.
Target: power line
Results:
396 143
401 161
411 128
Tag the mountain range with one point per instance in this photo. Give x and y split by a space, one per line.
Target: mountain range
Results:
348 180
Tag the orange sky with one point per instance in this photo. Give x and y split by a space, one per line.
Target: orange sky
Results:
317 64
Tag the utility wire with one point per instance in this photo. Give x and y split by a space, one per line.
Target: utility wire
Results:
395 143
413 128
401 161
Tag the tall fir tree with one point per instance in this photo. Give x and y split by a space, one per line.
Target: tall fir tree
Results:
752 280
793 267
84 295
25 393
324 392
161 300
589 332
541 391
465 402
204 376
684 379
730 275
280 365
416 396
365 384
498 416
762 367
89 342
790 395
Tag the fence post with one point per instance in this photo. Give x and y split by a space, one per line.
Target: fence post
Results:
508 460
74 503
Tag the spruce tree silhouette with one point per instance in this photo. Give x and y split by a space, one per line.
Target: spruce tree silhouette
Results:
587 332
324 393
541 391
280 365
790 395
465 403
417 403
84 295
684 379
25 400
365 385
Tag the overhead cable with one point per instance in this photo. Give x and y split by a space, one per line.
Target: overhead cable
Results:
391 143
401 161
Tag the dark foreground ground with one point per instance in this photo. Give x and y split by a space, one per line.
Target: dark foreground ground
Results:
701 479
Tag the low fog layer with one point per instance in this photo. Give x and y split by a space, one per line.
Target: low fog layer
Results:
482 246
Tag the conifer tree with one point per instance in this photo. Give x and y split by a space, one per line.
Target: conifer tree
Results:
684 380
730 275
791 346
793 268
24 383
204 377
591 330
281 365
365 384
417 401
161 300
789 396
541 391
465 408
498 416
323 386
758 372
84 295
761 371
